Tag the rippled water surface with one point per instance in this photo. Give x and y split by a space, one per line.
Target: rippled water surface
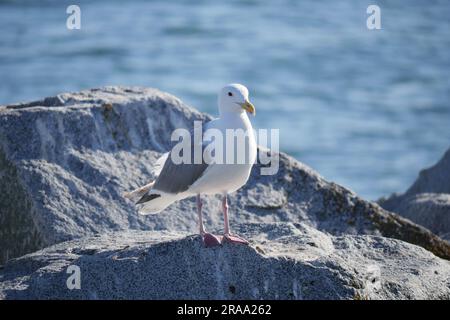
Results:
367 109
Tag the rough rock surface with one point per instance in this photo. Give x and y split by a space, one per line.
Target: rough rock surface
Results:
66 160
284 261
427 201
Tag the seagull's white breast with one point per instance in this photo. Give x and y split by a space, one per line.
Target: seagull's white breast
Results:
226 178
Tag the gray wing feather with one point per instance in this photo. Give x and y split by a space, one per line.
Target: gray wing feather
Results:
176 178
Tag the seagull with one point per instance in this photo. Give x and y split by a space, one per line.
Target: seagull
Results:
176 181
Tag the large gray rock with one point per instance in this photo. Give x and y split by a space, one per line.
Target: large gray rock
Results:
427 201
66 160
284 261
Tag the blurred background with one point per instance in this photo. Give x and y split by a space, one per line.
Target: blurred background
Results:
365 108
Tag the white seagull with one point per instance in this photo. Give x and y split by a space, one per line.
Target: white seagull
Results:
179 181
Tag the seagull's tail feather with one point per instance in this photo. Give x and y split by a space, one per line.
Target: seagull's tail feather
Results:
156 201
138 193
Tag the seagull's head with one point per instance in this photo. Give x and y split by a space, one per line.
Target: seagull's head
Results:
234 98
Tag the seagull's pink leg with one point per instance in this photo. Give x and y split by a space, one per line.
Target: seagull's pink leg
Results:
209 239
227 236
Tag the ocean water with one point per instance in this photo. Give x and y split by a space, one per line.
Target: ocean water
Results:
366 108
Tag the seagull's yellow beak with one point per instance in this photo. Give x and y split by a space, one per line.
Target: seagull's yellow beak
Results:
249 107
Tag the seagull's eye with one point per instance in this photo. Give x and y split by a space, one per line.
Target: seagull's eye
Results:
230 94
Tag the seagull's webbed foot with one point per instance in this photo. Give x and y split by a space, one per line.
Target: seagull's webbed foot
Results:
211 240
232 238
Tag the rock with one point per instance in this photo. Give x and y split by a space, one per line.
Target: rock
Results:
435 179
285 261
66 160
427 201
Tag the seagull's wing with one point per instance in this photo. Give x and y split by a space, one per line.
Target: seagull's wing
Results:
138 193
157 167
175 178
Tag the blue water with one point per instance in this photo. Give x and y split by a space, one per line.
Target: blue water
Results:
367 109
